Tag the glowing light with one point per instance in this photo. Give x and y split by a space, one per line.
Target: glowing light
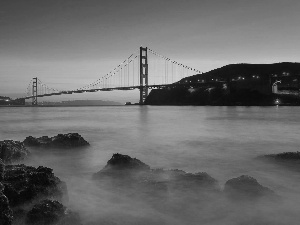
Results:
277 101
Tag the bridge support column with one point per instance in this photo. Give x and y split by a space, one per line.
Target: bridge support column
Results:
143 75
34 91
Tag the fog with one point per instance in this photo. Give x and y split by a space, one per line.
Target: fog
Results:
222 141
104 201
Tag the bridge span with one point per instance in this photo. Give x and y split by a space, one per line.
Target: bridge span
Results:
143 70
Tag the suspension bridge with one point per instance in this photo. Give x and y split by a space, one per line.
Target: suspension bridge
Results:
145 69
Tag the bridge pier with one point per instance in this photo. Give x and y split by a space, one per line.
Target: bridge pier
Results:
34 92
143 75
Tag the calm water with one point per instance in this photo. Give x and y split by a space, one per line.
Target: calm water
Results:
222 141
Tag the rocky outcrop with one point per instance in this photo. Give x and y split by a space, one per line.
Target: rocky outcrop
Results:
69 140
2 169
51 212
285 156
130 173
12 151
131 176
6 214
26 184
246 187
24 196
25 187
120 164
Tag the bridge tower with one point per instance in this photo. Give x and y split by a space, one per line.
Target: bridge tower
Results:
143 75
34 91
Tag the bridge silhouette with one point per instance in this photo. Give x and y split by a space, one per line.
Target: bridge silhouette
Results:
145 69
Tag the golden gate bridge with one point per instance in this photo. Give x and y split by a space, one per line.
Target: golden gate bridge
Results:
145 69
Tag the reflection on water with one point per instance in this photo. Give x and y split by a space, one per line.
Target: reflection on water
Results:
222 141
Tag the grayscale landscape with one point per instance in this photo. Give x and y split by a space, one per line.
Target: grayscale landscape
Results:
149 112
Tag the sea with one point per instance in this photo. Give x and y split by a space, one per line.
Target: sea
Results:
222 141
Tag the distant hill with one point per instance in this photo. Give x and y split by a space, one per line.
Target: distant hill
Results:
243 84
233 71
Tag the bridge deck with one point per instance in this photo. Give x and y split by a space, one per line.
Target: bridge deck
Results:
158 86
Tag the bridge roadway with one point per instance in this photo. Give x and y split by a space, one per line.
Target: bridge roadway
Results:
160 86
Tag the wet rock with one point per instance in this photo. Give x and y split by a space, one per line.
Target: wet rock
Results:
131 174
125 162
2 169
285 156
181 180
194 182
69 140
12 151
288 160
246 187
122 166
51 212
33 142
26 184
6 214
1 187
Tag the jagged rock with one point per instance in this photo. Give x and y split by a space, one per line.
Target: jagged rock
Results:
131 173
51 212
2 169
285 156
189 181
124 171
6 214
69 140
11 151
26 184
1 187
246 187
125 162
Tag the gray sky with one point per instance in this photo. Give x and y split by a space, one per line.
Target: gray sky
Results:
70 43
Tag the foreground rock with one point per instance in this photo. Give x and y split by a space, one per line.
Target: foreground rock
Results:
120 165
135 177
27 184
51 212
6 214
2 169
285 156
69 140
131 176
25 194
12 151
287 160
246 187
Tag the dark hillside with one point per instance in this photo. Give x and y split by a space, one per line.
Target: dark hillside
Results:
233 71
243 84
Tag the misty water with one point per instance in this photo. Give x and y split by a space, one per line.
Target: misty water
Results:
222 141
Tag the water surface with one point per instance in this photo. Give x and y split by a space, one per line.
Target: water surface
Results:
222 141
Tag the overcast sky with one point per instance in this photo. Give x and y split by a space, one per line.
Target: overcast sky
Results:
71 43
